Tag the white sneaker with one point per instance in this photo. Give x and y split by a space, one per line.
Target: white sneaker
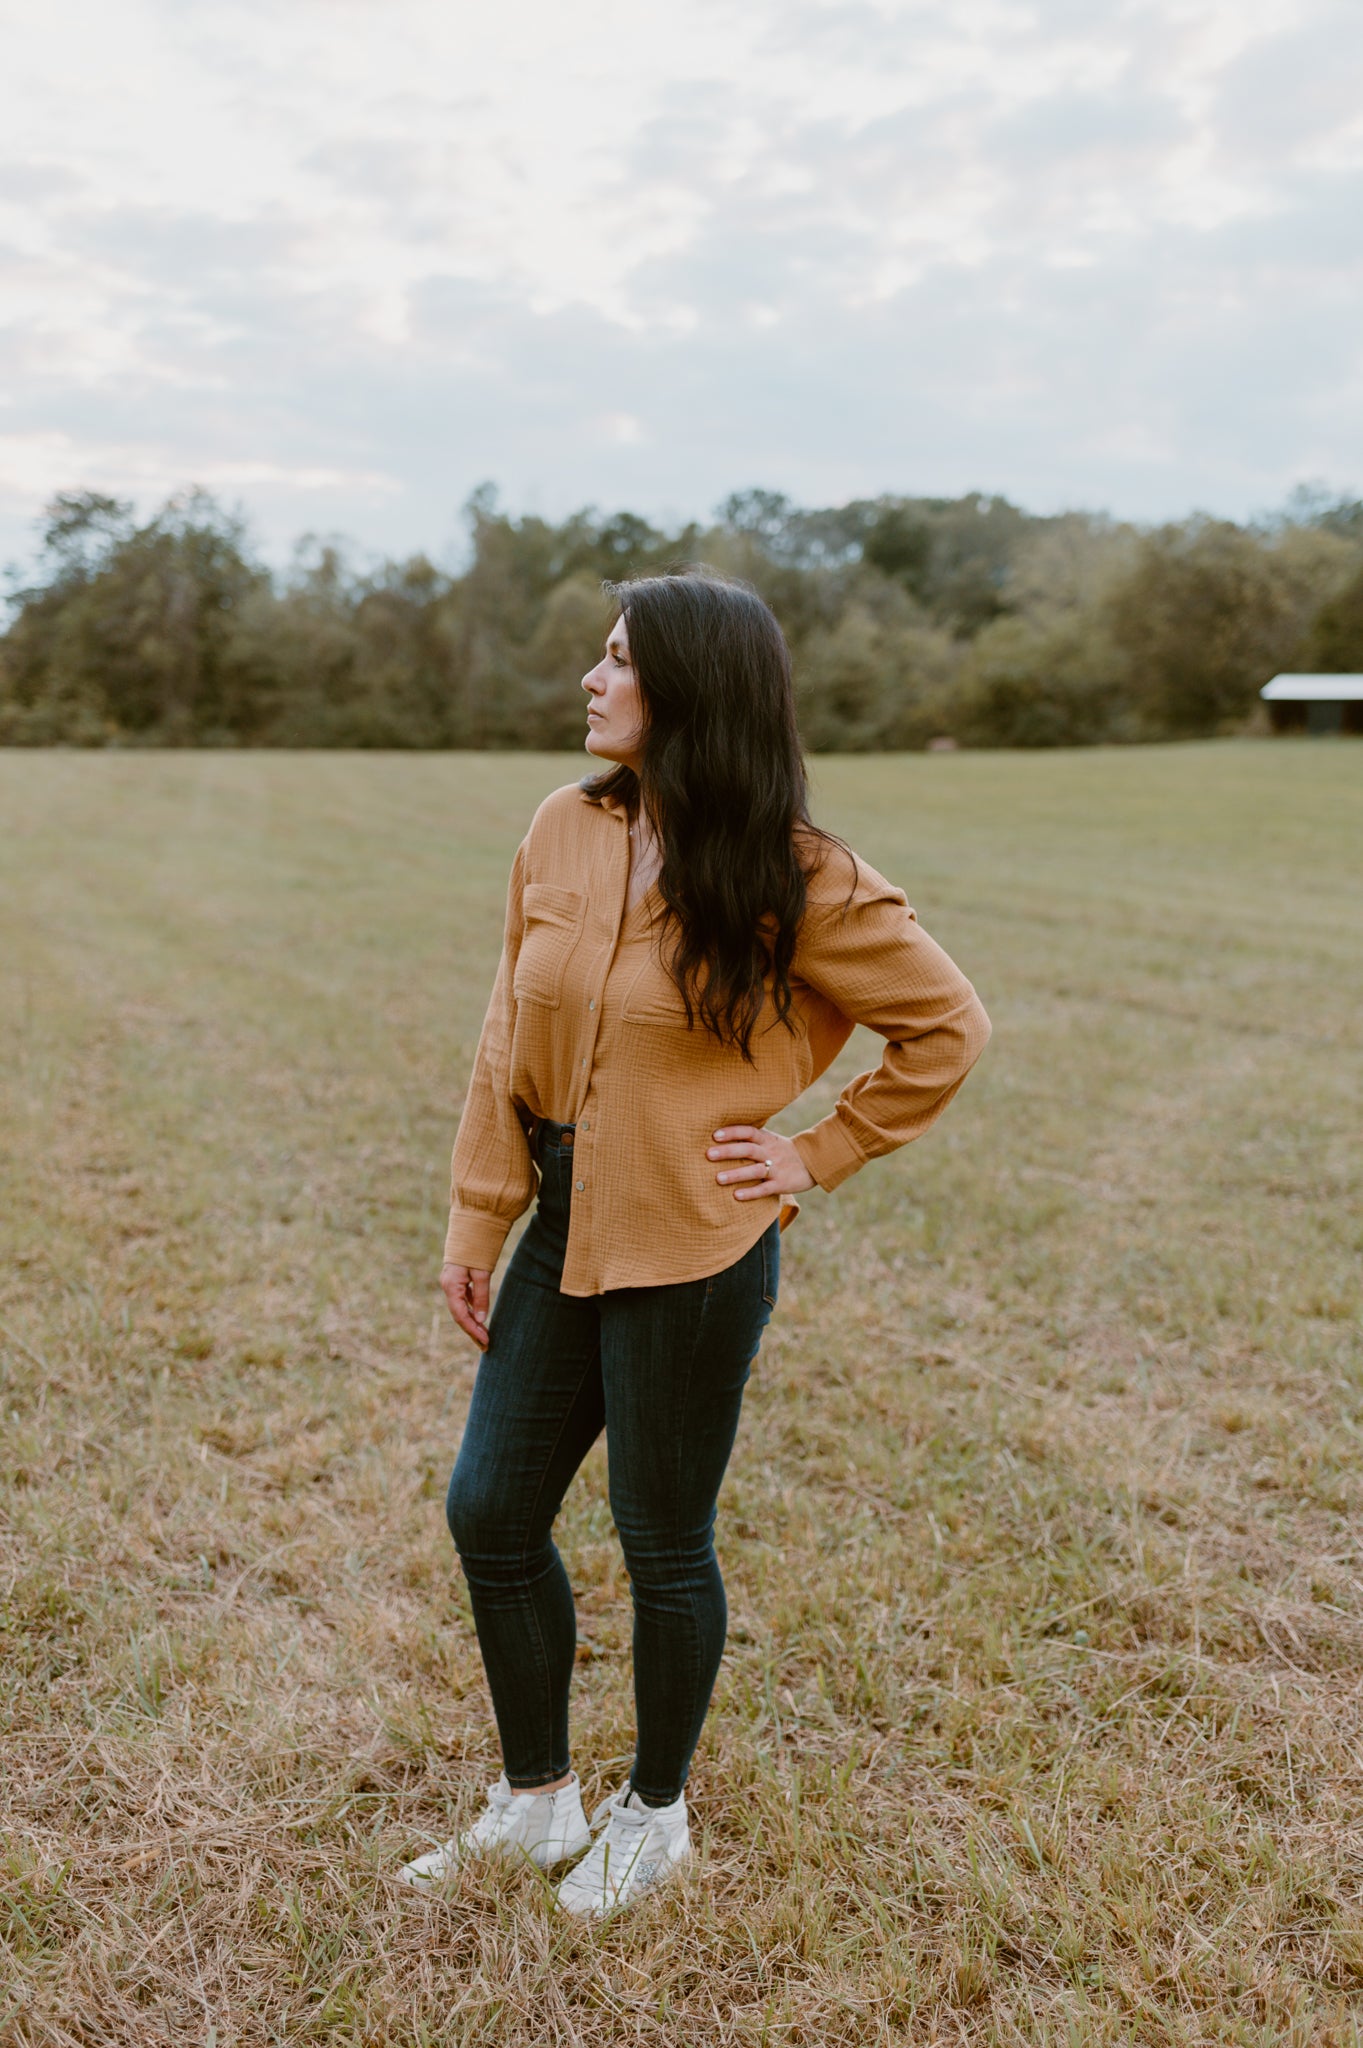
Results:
636 1847
544 1827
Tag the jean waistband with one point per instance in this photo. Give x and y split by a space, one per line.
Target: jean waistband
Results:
553 1136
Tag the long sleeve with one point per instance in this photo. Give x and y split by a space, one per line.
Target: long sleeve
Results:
492 1176
585 1026
876 965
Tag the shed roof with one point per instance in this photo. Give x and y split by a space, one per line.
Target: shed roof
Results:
1314 690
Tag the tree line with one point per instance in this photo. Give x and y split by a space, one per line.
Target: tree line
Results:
911 620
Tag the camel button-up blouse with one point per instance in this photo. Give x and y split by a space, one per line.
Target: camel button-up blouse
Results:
585 1026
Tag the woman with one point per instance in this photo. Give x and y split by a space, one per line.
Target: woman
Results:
685 952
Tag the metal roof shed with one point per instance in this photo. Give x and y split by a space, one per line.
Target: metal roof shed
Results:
1315 704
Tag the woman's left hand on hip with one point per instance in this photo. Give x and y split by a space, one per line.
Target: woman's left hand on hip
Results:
762 1162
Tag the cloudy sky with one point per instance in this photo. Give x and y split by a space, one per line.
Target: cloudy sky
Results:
342 260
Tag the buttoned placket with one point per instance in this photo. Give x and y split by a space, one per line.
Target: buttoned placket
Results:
580 1222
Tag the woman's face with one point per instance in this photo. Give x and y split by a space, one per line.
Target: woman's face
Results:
615 709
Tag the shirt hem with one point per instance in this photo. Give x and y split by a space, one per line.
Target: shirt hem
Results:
704 1272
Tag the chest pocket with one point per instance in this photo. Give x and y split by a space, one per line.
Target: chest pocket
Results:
553 918
652 997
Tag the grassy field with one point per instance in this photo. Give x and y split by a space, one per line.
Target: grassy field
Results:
1042 1717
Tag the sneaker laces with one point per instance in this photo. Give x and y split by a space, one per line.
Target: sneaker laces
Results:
619 1830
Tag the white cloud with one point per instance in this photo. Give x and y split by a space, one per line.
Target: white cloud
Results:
1081 250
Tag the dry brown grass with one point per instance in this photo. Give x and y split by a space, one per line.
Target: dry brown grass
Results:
1042 1720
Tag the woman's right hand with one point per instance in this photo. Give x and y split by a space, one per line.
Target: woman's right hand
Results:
466 1289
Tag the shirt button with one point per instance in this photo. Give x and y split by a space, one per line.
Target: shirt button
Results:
584 1063
592 1004
579 1185
585 1125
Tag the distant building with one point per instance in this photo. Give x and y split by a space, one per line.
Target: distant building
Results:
1315 704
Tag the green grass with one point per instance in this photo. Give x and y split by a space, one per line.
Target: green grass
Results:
1042 1716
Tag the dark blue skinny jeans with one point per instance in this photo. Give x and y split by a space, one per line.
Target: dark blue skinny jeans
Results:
662 1370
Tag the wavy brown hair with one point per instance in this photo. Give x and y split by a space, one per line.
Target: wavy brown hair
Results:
722 778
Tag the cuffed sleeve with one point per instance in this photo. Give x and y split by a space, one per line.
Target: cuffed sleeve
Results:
828 1151
492 1176
873 961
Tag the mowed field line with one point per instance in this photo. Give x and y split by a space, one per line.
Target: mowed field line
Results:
1042 1714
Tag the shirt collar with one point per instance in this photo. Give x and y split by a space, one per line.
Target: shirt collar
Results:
604 803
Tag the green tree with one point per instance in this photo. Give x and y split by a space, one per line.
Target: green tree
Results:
129 633
1335 644
299 645
881 675
1205 617
907 617
566 643
899 542
1057 683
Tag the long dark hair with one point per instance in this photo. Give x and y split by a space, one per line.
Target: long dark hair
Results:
722 778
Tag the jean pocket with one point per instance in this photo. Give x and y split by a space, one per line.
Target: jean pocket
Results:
771 1264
